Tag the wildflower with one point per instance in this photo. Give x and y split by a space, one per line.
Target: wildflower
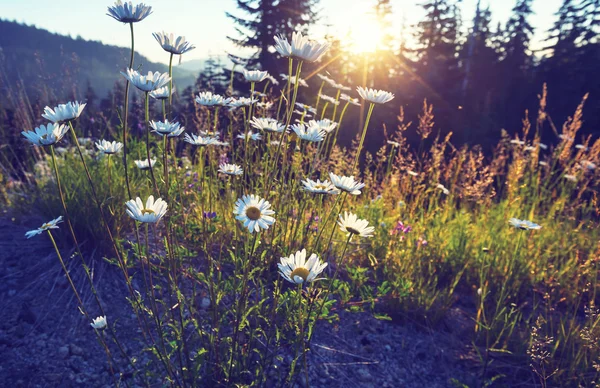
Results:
306 108
161 93
523 224
255 75
201 141
273 80
149 82
326 79
63 112
352 225
589 165
311 133
422 242
301 47
292 80
517 142
530 149
329 99
570 177
375 96
47 226
99 323
412 173
400 227
325 125
543 146
242 101
296 269
266 124
542 163
151 213
209 215
210 99
265 105
254 212
351 100
318 187
108 147
127 13
167 128
46 134
443 188
145 164
170 44
230 169
250 136
346 183
581 147
393 143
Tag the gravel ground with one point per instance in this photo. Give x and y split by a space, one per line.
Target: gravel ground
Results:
46 342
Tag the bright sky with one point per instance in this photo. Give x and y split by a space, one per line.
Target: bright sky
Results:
203 22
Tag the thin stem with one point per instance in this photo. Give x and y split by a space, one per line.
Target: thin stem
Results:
362 139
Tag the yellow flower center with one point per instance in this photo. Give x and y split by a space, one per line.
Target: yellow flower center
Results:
45 226
320 187
300 272
253 213
148 211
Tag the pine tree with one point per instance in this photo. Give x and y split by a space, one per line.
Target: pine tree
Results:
519 32
265 20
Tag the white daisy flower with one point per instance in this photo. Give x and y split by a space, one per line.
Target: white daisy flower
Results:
301 82
230 169
542 163
301 47
173 45
296 269
48 225
318 187
264 105
325 125
325 78
311 133
63 112
267 124
149 82
393 143
166 128
109 147
570 177
330 99
443 188
306 108
303 113
144 164
254 212
250 135
255 75
351 224
412 173
346 183
128 13
517 142
210 99
374 95
242 101
199 140
340 86
99 323
273 80
46 134
523 224
151 213
353 101
161 93
581 147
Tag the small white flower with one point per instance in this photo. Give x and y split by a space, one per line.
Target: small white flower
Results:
374 95
296 269
329 99
412 173
161 93
570 177
230 169
346 183
393 143
199 140
581 147
254 212
242 101
326 79
311 133
340 86
63 112
151 213
589 165
47 226
301 47
109 147
443 188
144 164
318 187
543 146
306 108
210 99
46 134
128 13
292 80
353 101
250 135
166 128
255 75
99 323
273 80
267 124
351 224
517 142
149 82
173 45
325 125
542 163
523 224
264 105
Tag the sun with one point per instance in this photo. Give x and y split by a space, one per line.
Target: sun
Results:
366 36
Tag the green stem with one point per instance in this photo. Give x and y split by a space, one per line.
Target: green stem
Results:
362 139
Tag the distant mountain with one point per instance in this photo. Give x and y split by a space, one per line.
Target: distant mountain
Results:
64 67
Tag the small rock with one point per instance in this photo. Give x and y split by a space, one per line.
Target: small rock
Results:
63 351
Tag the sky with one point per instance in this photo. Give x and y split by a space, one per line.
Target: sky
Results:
203 22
